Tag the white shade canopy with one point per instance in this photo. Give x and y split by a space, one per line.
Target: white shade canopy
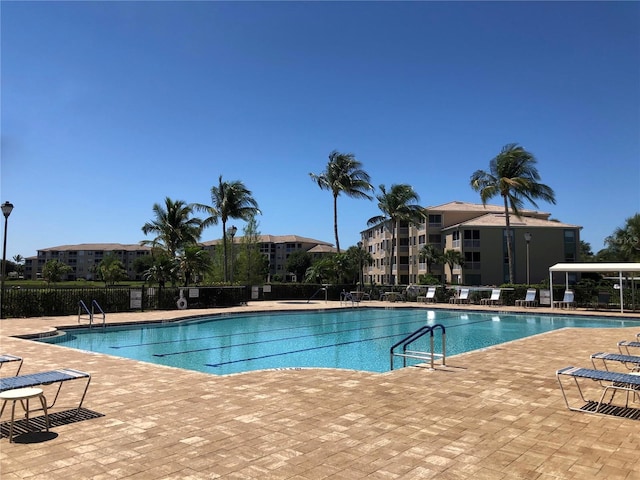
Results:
593 267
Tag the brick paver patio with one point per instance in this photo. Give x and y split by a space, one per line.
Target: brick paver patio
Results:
492 414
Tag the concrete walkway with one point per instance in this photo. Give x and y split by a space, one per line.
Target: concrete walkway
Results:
492 414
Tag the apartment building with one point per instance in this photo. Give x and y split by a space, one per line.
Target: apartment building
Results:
85 258
277 249
478 232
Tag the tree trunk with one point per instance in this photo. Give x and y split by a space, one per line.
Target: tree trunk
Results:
508 230
335 221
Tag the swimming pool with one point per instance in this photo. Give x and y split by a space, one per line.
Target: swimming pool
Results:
357 339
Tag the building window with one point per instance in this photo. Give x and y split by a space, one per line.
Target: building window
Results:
435 220
472 260
472 239
435 239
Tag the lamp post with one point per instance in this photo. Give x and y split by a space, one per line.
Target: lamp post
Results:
7 207
527 238
232 232
360 252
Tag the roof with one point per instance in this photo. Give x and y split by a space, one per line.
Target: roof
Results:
457 206
595 267
275 239
107 247
498 220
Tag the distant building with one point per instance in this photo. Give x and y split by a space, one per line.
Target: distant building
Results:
478 232
277 249
85 258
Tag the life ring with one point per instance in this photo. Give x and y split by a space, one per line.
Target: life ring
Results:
182 303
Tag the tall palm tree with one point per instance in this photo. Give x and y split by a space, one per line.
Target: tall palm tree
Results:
228 200
173 225
397 205
344 174
512 175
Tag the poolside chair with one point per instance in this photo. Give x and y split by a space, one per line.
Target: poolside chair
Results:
462 296
626 345
610 382
494 299
6 358
429 297
529 299
568 301
46 378
631 362
603 300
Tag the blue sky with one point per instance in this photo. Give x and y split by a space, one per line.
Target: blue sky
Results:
109 107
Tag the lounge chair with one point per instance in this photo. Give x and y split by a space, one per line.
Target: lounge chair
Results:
625 345
603 300
429 297
6 358
462 296
568 301
529 299
46 378
632 362
494 299
610 382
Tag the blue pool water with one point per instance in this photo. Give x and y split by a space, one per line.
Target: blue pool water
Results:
357 339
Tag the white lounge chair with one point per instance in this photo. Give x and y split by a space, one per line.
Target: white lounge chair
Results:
429 297
568 301
462 296
494 299
529 299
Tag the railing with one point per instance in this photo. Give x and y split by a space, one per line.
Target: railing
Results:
428 356
84 313
94 306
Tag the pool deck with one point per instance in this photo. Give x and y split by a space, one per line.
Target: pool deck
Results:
491 414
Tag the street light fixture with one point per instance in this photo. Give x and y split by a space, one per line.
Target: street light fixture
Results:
360 251
7 208
527 238
232 232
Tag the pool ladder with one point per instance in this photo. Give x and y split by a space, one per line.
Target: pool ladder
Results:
430 356
88 315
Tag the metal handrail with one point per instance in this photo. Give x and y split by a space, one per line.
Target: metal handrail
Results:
422 355
94 305
82 306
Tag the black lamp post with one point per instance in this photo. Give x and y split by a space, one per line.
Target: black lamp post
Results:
360 252
7 208
232 232
527 238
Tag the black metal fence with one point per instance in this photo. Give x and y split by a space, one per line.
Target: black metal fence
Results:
38 302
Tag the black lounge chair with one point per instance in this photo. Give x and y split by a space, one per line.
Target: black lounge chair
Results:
610 382
46 378
632 362
7 358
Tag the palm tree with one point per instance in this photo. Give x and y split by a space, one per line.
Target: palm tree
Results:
228 200
193 262
452 258
512 174
625 241
173 225
344 174
430 254
397 205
